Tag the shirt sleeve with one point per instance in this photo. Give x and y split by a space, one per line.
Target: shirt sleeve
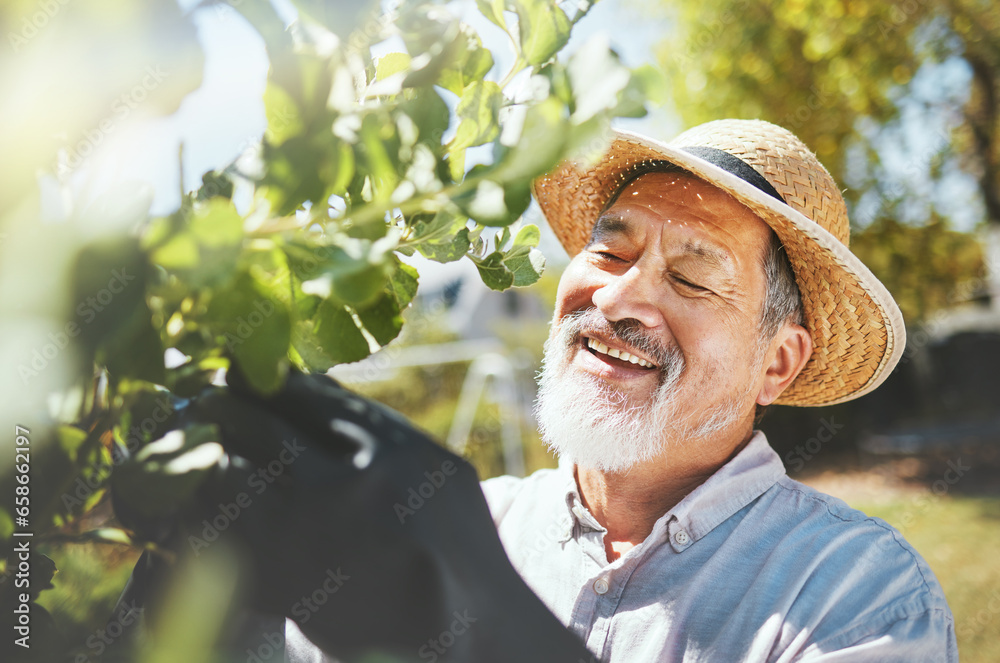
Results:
500 493
928 637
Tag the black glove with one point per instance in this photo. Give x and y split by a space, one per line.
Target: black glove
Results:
364 531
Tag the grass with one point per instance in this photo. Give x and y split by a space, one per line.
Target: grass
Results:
959 537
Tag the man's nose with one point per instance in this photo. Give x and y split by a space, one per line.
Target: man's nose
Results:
629 295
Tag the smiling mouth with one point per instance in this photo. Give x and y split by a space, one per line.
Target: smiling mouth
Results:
616 356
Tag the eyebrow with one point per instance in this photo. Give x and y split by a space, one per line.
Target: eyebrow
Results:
710 255
612 225
608 226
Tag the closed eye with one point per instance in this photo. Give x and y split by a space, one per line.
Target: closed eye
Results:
607 255
687 284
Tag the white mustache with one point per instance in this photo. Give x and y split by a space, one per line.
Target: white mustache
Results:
628 332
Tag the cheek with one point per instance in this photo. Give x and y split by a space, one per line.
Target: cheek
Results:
575 289
717 340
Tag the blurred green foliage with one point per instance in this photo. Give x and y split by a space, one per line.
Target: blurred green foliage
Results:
296 261
923 265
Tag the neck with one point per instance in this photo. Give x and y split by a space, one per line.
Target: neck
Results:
628 504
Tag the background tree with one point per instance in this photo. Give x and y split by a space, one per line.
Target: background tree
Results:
895 98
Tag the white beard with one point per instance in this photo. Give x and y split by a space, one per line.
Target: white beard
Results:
589 422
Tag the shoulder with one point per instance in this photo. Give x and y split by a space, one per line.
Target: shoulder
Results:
858 576
832 530
504 492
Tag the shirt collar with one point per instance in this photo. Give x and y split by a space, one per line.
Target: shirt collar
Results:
737 483
733 486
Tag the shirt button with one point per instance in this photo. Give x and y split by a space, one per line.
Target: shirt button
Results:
601 586
681 537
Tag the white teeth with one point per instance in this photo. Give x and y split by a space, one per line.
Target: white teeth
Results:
598 346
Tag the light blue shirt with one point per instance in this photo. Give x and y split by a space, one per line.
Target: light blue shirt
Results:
750 566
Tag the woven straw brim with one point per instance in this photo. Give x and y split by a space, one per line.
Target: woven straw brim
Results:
857 329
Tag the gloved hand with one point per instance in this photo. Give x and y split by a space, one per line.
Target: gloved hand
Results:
366 532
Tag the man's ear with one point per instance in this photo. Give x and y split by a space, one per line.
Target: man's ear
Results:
789 352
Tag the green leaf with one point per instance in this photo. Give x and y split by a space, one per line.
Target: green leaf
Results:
353 270
403 285
431 115
493 10
391 63
256 329
217 224
70 439
108 535
597 77
306 167
471 62
215 183
449 249
283 116
526 268
517 197
540 147
359 286
179 253
524 261
382 319
379 140
544 29
479 109
110 280
529 235
338 335
487 205
494 273
646 85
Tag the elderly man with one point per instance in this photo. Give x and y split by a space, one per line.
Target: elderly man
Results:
710 277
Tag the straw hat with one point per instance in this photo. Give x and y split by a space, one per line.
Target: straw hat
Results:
856 327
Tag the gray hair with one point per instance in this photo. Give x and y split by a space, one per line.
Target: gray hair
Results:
782 301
